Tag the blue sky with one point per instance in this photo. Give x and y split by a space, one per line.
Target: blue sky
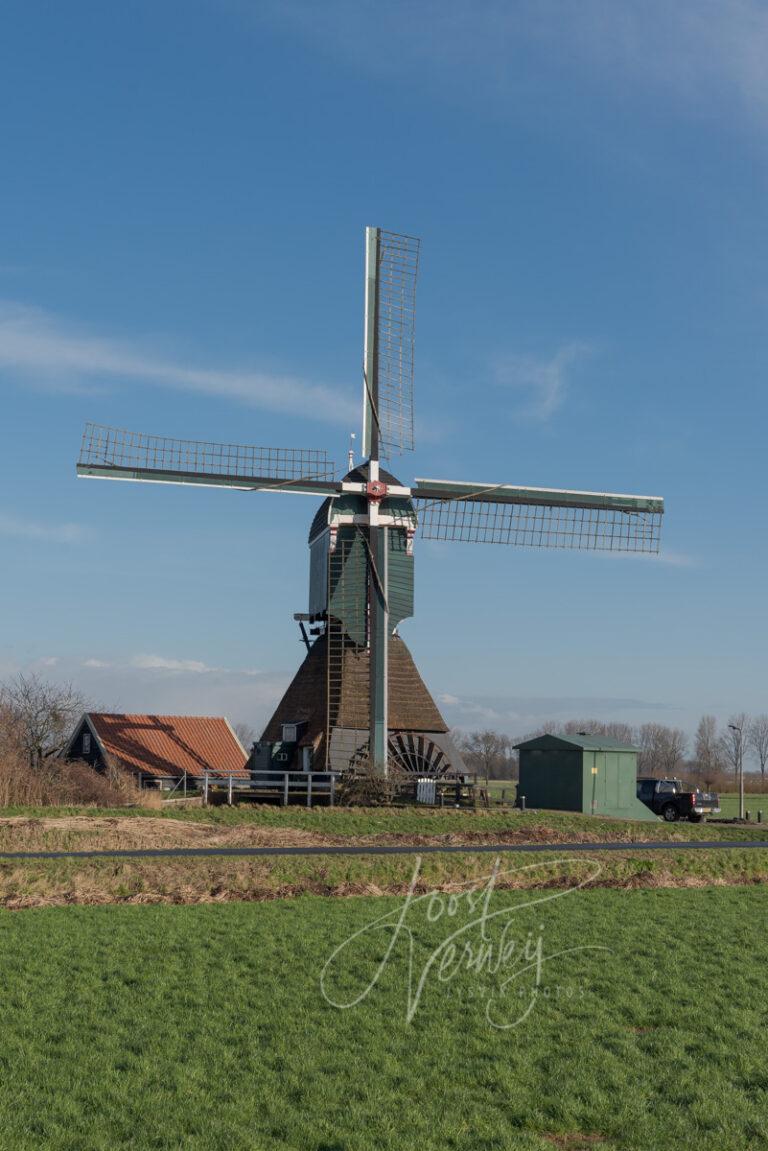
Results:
184 192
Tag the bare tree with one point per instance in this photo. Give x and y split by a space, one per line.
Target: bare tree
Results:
620 731
662 749
10 731
488 753
708 751
733 740
246 734
42 715
757 736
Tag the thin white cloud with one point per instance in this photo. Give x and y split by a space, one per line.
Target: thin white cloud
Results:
161 663
469 707
666 558
518 715
676 559
166 685
541 383
153 662
699 57
66 533
243 694
49 351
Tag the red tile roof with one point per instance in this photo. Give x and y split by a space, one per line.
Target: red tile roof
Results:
170 744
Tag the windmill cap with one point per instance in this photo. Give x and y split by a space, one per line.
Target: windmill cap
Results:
358 475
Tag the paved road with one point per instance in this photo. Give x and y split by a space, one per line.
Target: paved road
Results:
399 849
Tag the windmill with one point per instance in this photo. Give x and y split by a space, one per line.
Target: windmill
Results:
361 540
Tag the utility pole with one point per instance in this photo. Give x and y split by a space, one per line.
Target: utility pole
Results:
739 765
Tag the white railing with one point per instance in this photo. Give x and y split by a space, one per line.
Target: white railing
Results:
313 784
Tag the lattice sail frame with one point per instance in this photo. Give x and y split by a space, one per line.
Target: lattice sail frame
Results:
540 525
122 450
396 324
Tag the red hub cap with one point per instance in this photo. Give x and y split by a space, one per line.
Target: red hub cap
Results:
376 490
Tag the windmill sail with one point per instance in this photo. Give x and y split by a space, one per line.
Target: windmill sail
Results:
392 263
116 454
361 541
537 517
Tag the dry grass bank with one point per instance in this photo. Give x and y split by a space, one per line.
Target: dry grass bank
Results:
65 882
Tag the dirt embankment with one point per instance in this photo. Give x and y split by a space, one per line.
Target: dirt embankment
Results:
110 833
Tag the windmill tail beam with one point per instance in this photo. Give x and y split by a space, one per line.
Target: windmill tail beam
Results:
379 648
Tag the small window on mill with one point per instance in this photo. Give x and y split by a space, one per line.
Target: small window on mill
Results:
86 742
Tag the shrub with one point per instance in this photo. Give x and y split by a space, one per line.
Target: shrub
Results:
61 783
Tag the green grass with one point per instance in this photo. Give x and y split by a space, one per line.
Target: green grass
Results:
497 786
204 1028
753 802
407 821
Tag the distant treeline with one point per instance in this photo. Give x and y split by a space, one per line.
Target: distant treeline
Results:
712 759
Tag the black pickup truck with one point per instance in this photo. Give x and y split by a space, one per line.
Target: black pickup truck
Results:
672 799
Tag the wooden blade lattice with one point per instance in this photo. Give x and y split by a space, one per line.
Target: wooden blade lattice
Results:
396 320
539 525
124 451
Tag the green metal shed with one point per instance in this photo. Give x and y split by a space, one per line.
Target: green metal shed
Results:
591 773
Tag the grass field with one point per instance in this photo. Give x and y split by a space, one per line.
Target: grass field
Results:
205 1028
753 802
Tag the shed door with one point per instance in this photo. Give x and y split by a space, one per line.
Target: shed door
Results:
612 793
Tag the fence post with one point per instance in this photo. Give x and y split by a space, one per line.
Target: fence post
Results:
285 789
185 785
333 788
309 789
205 789
229 792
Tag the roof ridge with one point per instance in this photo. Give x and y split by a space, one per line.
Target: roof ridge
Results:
153 715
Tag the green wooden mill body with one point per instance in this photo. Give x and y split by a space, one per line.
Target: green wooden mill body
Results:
341 590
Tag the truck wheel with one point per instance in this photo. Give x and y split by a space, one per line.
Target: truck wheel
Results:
670 813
